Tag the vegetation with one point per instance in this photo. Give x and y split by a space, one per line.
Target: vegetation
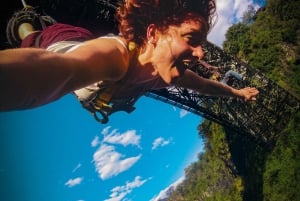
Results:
235 167
271 42
214 176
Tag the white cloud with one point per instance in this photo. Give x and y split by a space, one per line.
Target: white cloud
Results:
109 162
74 182
183 113
77 167
105 130
119 192
229 12
128 138
240 6
163 194
160 142
95 141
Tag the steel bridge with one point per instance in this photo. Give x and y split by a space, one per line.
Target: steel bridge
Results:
263 119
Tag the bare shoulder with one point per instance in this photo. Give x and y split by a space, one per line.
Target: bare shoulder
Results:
107 45
104 56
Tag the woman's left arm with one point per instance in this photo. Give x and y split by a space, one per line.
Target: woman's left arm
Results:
205 86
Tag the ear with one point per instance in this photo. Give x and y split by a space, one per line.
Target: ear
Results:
151 34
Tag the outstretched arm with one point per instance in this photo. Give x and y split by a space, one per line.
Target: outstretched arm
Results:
31 77
208 66
214 88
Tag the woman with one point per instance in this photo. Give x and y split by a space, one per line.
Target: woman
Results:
158 39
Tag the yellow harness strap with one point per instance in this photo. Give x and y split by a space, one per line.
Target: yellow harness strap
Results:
102 102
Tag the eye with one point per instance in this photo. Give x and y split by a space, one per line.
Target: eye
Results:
188 38
193 40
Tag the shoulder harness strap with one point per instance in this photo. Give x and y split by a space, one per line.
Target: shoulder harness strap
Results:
102 104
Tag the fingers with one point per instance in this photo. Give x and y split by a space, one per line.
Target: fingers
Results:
250 94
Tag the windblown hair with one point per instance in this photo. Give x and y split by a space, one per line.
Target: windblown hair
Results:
134 16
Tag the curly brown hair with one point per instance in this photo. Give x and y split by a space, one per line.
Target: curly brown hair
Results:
134 16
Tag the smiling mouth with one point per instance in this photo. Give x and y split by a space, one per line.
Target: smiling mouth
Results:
183 64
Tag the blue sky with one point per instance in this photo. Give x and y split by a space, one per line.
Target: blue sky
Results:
58 152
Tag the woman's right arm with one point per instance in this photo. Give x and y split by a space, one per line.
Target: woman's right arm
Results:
31 77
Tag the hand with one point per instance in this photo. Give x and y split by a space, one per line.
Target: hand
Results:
248 93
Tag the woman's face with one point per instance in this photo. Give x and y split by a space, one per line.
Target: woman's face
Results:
177 47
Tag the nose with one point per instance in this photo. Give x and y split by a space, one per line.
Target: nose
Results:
198 52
